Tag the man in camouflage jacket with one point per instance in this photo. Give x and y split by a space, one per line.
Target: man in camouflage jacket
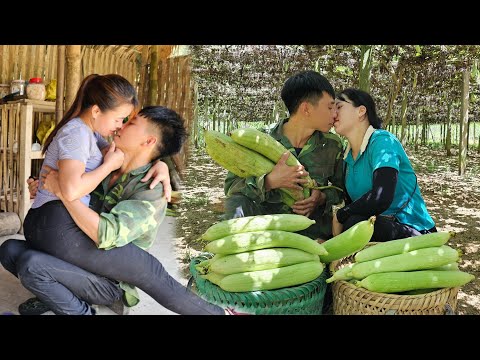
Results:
99 257
310 100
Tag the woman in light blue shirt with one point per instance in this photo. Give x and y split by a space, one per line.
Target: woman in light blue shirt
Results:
379 178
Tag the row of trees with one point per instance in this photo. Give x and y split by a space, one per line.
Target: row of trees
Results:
412 84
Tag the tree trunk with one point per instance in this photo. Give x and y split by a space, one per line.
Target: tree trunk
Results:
365 67
396 85
403 116
448 138
417 129
424 132
73 80
196 123
441 132
462 149
394 125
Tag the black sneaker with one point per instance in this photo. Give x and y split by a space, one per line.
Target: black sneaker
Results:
33 306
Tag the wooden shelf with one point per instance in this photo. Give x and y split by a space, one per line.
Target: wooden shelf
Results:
24 156
33 154
38 105
36 155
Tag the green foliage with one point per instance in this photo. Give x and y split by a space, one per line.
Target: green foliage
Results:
196 201
242 83
431 166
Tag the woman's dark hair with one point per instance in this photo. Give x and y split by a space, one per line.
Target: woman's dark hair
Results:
306 85
359 97
170 127
106 91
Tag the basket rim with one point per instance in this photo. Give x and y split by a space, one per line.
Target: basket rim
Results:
206 255
332 268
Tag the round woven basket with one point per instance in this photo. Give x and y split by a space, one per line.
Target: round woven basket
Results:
305 299
349 299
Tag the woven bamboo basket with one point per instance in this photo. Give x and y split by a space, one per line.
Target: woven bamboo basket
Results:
305 299
349 299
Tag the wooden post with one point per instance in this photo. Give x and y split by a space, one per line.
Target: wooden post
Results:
25 148
60 83
73 58
462 149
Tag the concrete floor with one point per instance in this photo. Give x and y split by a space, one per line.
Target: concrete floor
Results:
12 293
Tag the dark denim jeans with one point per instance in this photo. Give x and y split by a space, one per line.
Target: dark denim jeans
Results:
51 229
65 288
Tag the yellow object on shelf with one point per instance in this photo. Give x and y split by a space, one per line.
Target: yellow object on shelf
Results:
44 129
51 90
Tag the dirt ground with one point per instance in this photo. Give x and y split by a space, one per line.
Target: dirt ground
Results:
452 200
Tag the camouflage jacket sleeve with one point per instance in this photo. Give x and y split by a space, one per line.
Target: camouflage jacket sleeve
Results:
334 196
252 187
133 220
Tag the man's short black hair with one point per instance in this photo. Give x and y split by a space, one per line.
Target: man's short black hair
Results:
306 85
171 127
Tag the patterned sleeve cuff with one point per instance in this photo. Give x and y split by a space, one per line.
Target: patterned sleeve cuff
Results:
342 215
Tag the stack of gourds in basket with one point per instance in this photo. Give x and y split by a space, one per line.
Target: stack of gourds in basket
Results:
406 266
264 252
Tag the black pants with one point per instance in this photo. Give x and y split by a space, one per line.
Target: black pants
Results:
386 229
51 229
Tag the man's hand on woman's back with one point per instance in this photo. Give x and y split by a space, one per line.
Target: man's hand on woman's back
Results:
32 187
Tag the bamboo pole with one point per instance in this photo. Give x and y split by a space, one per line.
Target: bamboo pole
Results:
143 74
51 62
48 60
161 81
30 61
3 155
111 69
21 59
153 80
73 60
54 67
174 79
12 62
98 63
39 70
2 61
91 65
60 83
165 82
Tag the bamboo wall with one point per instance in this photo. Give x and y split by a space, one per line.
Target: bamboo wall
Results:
174 91
27 61
9 154
109 60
